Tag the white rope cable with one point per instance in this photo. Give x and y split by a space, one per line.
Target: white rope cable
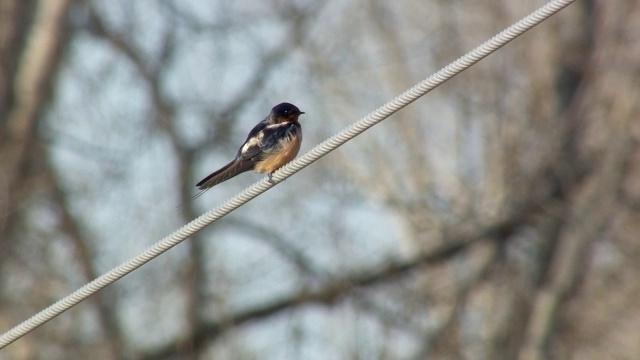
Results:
293 167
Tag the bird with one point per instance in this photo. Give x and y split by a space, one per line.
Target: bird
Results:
272 143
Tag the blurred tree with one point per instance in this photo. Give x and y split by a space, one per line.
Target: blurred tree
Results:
494 219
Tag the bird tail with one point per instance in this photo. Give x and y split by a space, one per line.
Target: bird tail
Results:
228 171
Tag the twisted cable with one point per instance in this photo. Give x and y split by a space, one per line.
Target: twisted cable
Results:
283 173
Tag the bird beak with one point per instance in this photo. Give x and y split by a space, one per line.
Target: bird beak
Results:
302 112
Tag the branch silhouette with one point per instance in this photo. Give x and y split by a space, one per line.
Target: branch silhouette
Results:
337 289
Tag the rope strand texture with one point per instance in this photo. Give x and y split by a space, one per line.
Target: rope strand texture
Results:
293 167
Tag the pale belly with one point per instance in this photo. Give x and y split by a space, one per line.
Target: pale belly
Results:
287 153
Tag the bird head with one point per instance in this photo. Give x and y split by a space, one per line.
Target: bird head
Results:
285 112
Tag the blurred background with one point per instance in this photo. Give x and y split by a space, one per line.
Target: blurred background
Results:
496 218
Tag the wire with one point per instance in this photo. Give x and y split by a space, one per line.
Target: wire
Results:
283 173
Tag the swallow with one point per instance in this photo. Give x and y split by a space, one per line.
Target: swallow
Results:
272 143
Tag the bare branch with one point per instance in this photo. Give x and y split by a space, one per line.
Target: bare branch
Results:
340 288
34 76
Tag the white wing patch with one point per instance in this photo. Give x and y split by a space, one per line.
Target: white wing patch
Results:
255 145
273 126
251 143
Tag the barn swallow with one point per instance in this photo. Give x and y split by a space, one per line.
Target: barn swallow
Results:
272 143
